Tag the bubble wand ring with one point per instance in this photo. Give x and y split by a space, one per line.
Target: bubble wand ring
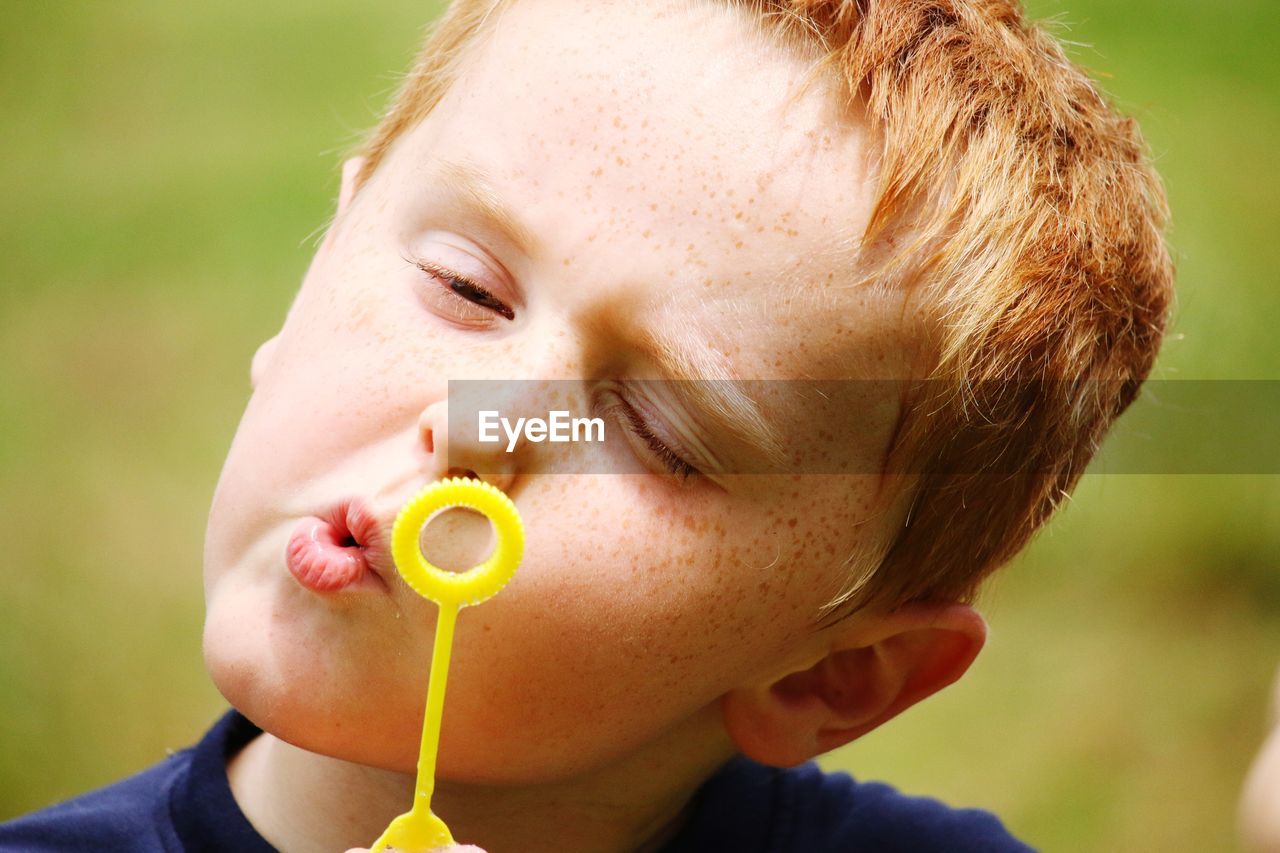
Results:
420 828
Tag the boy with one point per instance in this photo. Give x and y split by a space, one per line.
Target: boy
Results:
612 193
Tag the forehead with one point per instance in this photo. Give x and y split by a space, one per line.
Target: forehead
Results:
665 136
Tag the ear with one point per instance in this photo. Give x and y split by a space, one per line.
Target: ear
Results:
261 359
870 670
347 191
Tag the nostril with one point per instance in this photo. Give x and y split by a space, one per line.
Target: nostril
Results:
464 473
429 440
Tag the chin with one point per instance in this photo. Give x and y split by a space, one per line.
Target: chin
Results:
311 699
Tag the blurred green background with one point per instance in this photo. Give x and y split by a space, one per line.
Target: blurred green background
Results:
165 169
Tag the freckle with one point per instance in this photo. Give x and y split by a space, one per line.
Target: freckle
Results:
738 215
566 262
647 232
792 522
738 244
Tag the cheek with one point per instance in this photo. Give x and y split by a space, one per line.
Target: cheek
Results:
355 330
620 624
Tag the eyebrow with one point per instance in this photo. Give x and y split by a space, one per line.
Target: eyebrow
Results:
704 376
722 398
468 178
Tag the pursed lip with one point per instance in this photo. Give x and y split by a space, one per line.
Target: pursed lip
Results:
353 515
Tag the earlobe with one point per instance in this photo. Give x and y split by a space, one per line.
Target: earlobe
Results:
873 669
261 359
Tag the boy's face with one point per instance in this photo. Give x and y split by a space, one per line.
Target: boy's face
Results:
668 190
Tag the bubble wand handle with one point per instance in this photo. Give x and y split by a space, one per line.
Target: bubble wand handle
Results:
435 709
420 828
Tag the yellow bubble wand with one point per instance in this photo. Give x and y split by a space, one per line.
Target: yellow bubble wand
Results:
419 828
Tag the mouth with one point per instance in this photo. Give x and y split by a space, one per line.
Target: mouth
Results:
345 549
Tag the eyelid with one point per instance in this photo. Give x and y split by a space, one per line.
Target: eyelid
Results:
470 260
646 399
440 299
458 279
635 422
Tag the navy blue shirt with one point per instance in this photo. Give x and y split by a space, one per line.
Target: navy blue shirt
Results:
184 803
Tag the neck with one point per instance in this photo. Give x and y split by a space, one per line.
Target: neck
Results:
301 801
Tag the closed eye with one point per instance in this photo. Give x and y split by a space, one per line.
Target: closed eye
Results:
656 450
464 288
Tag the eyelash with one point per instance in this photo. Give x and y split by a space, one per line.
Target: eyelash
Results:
665 455
465 288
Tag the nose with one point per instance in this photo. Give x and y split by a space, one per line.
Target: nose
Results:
459 453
